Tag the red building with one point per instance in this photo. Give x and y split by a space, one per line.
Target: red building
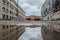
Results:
33 18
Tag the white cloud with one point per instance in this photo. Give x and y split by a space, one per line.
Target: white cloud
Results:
31 7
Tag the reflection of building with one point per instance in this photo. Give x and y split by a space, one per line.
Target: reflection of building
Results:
51 14
33 18
10 32
8 12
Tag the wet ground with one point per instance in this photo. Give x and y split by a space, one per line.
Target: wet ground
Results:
31 34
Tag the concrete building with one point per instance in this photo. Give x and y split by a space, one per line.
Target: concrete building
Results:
46 7
50 7
33 18
54 15
56 5
8 12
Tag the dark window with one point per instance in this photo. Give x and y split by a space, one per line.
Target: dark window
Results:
37 19
3 26
48 18
6 26
28 19
10 17
7 10
46 9
49 2
6 16
4 2
10 12
3 8
3 16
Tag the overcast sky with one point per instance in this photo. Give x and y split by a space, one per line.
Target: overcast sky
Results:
31 7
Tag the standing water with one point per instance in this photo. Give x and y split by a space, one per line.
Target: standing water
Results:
31 34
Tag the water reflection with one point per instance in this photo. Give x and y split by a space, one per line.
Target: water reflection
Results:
31 34
49 32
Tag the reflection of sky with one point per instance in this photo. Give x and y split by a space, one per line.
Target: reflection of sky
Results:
31 34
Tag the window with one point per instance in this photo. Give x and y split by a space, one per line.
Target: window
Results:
3 16
8 4
12 0
6 10
10 12
37 19
6 16
49 2
28 19
4 2
3 26
11 6
46 9
48 18
6 26
3 8
10 17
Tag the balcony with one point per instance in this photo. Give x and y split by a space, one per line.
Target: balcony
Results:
56 15
53 16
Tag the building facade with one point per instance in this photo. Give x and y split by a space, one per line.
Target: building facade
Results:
50 7
9 12
46 7
33 18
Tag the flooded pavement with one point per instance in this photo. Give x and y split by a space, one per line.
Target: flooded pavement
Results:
31 34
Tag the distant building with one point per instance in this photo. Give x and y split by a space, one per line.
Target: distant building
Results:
33 18
8 12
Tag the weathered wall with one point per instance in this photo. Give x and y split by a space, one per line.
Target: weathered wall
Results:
49 34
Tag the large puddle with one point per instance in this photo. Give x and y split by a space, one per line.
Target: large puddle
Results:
31 34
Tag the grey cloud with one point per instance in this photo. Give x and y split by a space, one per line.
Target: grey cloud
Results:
31 7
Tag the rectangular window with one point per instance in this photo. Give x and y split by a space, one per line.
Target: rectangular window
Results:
4 2
6 26
3 8
3 26
8 4
10 12
6 16
12 0
3 16
10 17
6 10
